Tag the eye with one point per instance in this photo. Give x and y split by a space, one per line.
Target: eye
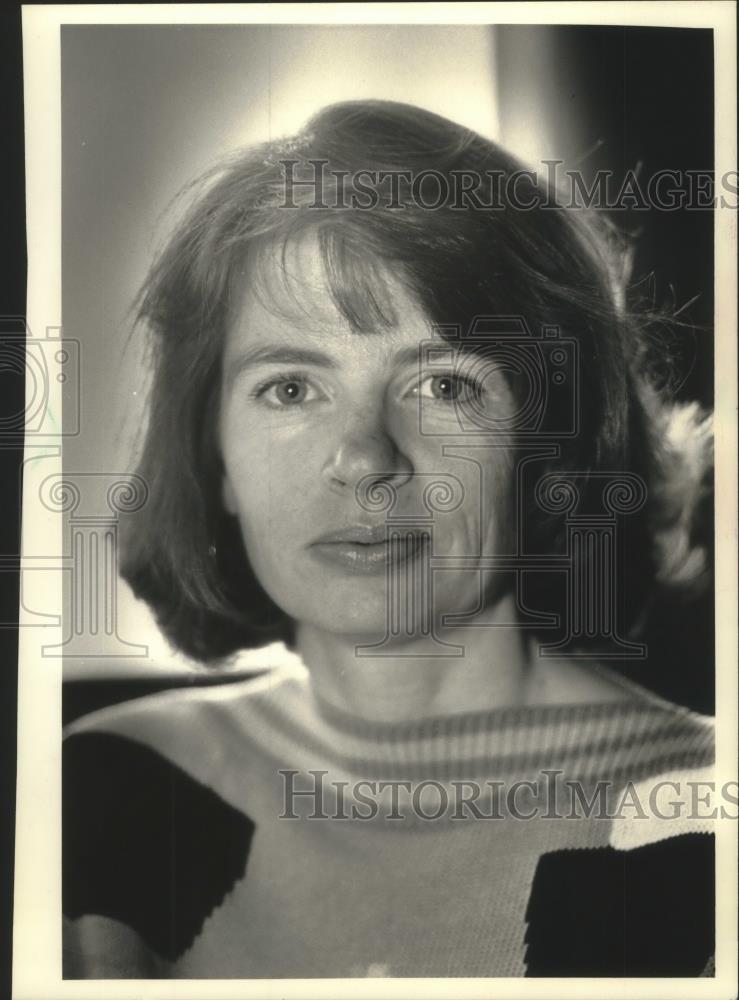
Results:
290 392
285 391
446 388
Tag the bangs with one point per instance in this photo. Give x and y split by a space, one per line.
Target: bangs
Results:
356 274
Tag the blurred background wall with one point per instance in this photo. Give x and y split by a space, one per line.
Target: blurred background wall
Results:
620 99
145 108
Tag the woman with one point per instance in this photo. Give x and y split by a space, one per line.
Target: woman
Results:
401 422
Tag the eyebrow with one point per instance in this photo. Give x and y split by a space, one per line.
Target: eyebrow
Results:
281 354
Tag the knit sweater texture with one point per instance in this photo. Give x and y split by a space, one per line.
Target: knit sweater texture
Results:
251 830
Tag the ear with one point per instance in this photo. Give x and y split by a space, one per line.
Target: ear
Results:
228 496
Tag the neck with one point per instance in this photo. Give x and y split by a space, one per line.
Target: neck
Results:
409 680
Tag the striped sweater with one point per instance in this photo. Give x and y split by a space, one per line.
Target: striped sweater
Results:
250 830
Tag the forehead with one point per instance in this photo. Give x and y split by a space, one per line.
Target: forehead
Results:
285 295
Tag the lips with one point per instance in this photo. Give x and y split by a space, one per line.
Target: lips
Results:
359 534
368 548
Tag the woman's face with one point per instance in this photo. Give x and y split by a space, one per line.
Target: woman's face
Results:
314 414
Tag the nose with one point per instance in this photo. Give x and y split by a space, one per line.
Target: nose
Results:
365 447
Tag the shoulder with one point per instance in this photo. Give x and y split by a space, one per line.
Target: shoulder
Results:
641 903
198 727
156 818
646 911
645 746
661 740
634 733
152 840
146 847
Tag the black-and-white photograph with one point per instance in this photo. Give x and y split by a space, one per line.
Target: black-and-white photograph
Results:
381 463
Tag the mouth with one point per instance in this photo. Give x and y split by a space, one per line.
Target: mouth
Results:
370 549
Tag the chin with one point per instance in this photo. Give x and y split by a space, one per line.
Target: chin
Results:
355 614
359 622
360 605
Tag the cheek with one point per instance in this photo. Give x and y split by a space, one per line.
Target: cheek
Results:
484 520
258 494
497 502
268 483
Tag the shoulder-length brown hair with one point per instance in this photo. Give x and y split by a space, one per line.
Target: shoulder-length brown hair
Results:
523 256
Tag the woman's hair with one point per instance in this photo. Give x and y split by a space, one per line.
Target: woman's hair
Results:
382 185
